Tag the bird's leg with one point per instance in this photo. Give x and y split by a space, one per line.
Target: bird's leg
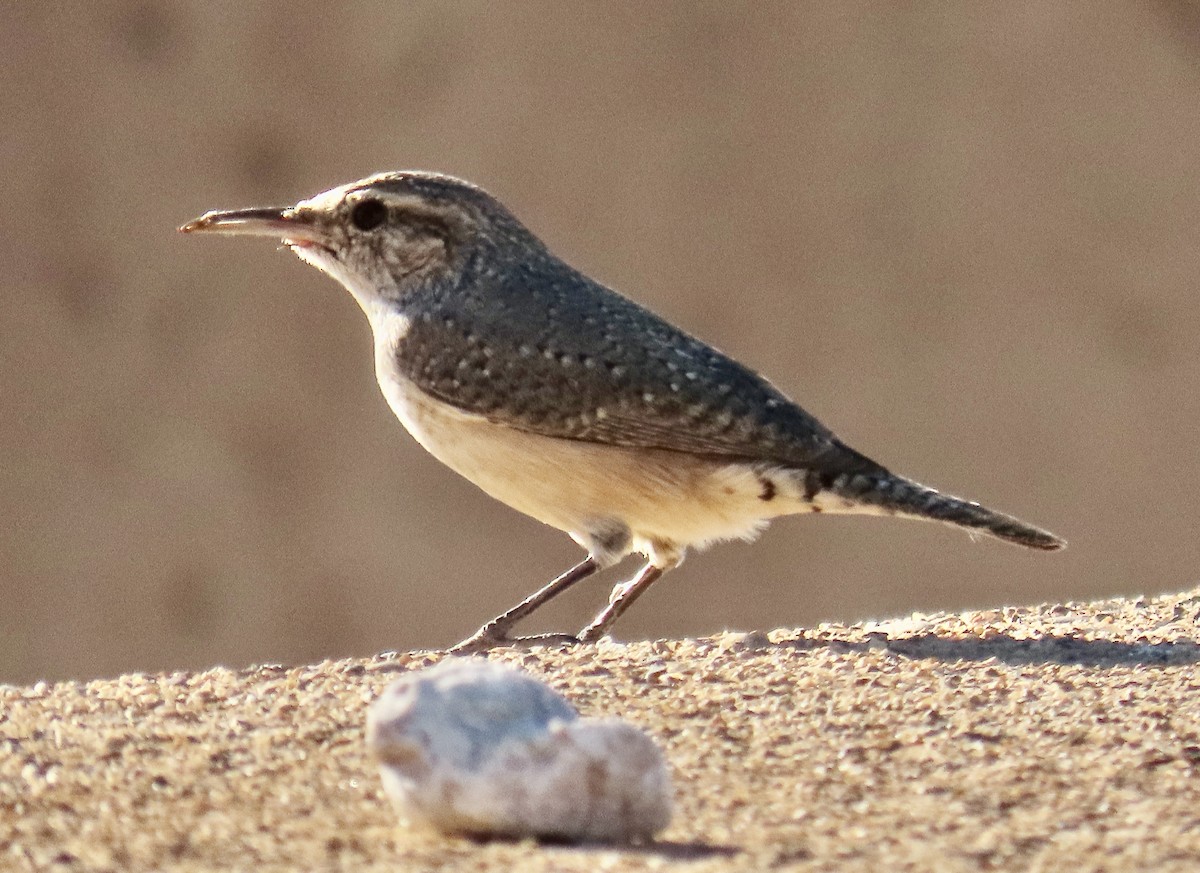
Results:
495 632
621 599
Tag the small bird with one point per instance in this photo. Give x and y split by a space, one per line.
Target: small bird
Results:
569 402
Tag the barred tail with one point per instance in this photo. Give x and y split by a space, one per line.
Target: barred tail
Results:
894 494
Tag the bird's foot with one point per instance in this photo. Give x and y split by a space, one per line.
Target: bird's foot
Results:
593 633
492 637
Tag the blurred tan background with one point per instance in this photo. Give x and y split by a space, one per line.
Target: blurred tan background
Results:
965 236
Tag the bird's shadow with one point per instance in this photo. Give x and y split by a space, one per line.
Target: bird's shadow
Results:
667 849
690 851
1045 649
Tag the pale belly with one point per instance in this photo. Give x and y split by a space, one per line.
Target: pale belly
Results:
667 500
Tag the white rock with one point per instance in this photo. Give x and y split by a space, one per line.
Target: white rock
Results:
476 748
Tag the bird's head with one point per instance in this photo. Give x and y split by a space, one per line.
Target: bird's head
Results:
385 235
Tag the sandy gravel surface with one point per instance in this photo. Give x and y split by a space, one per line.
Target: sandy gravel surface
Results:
1042 738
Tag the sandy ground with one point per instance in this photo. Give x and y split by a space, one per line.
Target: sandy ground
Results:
1040 738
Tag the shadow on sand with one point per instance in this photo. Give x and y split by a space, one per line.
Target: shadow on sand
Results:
1048 649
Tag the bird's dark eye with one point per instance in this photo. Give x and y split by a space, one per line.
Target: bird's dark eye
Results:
368 214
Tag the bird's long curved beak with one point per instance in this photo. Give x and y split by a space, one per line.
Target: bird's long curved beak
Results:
285 223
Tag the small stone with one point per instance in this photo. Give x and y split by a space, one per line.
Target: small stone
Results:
471 747
752 641
877 641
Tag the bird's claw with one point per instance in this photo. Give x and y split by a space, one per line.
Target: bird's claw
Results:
489 637
590 634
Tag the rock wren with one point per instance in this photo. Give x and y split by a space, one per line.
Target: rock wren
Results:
569 402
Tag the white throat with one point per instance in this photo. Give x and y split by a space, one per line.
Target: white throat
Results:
379 311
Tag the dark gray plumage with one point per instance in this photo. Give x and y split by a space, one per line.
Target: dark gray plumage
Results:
533 343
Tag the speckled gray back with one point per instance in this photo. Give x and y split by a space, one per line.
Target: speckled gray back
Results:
541 347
